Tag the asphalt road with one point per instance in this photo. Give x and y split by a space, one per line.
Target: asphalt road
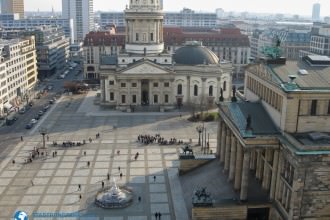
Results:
11 135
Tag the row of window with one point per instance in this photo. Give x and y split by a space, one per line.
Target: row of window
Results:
134 84
314 108
134 98
265 93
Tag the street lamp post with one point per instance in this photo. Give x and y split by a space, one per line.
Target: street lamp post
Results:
199 129
43 132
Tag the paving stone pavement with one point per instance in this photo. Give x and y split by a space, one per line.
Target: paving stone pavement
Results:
49 184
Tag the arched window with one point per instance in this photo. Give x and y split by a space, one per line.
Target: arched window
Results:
224 86
180 89
211 91
195 90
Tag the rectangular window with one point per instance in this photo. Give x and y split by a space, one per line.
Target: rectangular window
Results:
313 107
155 84
151 36
123 85
134 99
134 84
166 98
155 99
123 99
137 37
167 84
112 96
111 82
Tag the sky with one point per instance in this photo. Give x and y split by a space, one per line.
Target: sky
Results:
300 7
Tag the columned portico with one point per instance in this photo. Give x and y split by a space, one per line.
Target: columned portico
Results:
245 175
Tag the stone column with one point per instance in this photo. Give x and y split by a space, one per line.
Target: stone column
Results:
232 158
188 89
238 166
223 143
227 153
274 174
253 160
266 174
245 176
219 138
260 163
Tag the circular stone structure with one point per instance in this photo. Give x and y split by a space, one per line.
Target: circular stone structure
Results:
114 197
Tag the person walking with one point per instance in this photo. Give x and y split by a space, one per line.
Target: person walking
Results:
102 184
119 168
156 215
121 175
108 176
154 178
79 187
139 198
80 197
159 215
21 138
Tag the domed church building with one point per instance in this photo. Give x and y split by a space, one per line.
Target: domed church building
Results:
144 74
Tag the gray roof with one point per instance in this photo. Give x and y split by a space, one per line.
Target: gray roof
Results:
261 122
195 55
108 60
318 77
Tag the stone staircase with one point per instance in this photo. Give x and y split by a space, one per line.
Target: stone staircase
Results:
147 108
234 212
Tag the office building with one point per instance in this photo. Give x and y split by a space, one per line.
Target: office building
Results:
82 15
13 7
9 23
184 18
18 72
316 12
52 50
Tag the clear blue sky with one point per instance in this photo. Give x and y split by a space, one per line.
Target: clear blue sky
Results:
302 7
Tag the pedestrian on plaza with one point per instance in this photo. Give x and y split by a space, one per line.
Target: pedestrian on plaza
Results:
119 168
13 161
121 175
32 183
79 187
118 152
102 184
156 215
21 138
84 153
88 163
108 176
139 198
80 197
159 215
55 153
154 178
90 140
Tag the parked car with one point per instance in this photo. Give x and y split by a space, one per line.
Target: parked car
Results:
33 121
40 113
29 126
37 117
46 107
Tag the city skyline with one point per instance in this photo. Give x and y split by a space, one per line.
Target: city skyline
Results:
254 6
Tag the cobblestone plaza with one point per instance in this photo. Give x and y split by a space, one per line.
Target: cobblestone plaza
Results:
50 183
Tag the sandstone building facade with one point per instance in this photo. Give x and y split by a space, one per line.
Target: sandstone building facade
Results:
280 136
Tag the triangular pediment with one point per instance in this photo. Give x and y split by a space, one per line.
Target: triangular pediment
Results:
145 68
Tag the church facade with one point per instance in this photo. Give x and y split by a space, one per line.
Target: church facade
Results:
144 74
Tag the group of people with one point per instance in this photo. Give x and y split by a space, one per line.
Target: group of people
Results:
150 139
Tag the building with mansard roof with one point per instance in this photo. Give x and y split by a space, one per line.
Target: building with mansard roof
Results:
143 73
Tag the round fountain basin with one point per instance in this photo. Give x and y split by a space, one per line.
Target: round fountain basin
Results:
114 197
